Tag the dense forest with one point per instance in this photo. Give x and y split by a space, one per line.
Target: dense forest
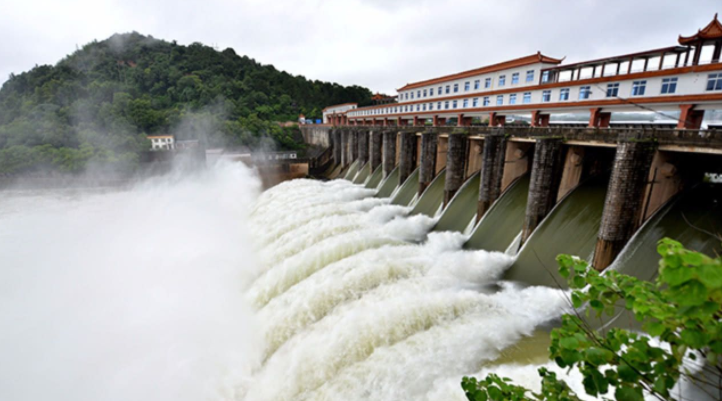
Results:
99 104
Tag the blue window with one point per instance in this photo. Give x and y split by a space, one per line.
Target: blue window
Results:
446 105
714 82
638 88
515 78
412 95
456 88
476 84
418 107
545 77
564 94
530 76
424 92
487 101
475 102
585 92
431 106
487 83
547 96
502 80
454 103
424 107
669 85
527 98
466 103
512 98
612 90
406 95
418 94
438 106
441 90
500 100
431 92
448 88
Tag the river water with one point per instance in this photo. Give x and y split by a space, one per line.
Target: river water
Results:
203 288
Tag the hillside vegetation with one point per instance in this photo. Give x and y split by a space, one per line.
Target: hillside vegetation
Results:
98 104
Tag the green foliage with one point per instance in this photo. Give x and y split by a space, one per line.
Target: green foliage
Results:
682 308
109 95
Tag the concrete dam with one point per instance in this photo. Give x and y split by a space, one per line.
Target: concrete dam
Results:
429 254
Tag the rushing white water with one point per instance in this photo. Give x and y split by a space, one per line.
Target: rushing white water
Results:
201 288
357 301
128 295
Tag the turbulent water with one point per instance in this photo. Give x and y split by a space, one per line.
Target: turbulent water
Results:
356 300
199 288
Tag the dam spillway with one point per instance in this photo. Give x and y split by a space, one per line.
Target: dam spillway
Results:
396 298
378 306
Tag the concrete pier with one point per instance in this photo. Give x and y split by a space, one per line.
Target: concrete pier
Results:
353 145
455 165
544 183
427 163
363 147
337 146
649 166
492 172
344 134
389 152
375 148
624 201
407 155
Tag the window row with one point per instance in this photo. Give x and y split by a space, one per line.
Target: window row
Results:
448 89
639 88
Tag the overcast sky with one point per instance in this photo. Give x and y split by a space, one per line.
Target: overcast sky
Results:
380 44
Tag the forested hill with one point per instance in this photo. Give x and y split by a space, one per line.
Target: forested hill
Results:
98 104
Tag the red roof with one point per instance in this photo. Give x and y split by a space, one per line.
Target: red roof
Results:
712 31
532 59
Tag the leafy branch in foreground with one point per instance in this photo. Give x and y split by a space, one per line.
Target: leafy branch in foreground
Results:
682 308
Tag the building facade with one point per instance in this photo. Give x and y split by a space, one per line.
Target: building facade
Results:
336 115
162 142
685 78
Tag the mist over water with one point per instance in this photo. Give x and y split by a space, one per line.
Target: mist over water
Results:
202 288
128 295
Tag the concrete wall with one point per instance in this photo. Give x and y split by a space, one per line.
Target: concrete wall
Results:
319 136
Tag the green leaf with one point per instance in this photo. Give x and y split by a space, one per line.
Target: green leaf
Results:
692 258
676 275
692 293
694 338
628 394
598 356
654 329
627 374
710 275
569 343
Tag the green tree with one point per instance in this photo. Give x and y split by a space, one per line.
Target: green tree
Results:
682 307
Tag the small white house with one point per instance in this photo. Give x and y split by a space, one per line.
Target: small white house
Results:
162 142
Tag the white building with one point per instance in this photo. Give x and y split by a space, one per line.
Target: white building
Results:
336 115
162 142
684 79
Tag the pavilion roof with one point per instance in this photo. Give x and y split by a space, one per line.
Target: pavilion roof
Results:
712 31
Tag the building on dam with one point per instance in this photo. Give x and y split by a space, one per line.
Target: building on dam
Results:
430 150
684 79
